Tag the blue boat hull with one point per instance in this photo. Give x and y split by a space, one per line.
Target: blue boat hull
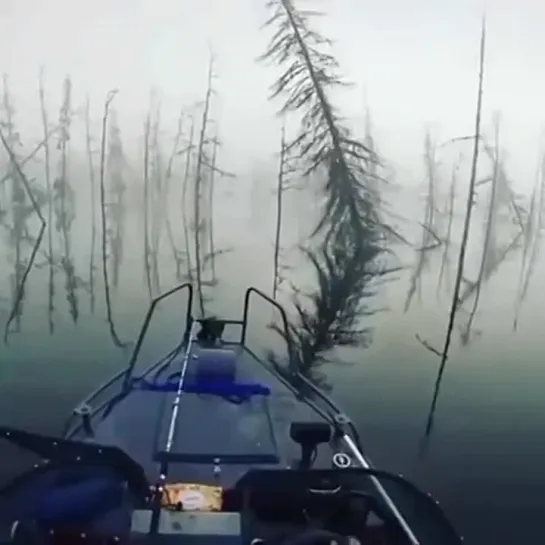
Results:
211 429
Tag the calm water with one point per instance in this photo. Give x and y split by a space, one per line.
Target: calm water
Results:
484 461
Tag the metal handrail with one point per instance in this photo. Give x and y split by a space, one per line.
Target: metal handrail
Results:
283 316
147 320
291 350
126 374
352 445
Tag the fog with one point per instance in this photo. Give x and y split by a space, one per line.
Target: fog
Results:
413 64
414 69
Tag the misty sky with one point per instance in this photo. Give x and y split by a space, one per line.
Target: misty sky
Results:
414 64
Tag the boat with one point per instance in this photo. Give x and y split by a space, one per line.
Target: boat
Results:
212 444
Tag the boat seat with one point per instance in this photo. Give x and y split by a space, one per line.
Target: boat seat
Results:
215 364
214 371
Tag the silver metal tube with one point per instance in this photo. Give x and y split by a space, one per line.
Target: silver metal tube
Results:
179 389
380 489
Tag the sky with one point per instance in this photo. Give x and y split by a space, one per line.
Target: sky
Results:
414 64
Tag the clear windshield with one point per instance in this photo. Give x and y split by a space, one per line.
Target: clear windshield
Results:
424 516
163 328
106 467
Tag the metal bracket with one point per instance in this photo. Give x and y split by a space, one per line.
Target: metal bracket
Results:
84 411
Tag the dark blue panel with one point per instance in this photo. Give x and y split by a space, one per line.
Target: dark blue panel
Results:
216 428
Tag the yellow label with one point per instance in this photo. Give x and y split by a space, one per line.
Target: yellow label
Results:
192 497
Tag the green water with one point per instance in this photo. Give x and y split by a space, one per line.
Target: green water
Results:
483 461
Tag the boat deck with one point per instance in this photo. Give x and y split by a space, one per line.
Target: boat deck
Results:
211 426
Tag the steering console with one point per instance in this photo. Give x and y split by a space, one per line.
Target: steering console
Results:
310 506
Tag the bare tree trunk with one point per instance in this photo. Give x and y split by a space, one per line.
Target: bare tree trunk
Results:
465 235
47 173
168 178
21 287
156 194
211 245
92 182
198 183
489 228
147 270
279 202
102 185
445 261
185 186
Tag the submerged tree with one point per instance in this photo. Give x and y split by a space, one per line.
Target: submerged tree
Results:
93 194
350 236
158 177
444 270
200 172
533 233
117 189
19 295
183 202
16 202
25 200
177 254
156 196
430 240
494 253
373 173
146 204
489 251
211 176
211 254
455 304
104 220
49 189
64 200
280 188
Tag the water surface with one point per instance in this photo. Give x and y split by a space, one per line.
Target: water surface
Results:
483 462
